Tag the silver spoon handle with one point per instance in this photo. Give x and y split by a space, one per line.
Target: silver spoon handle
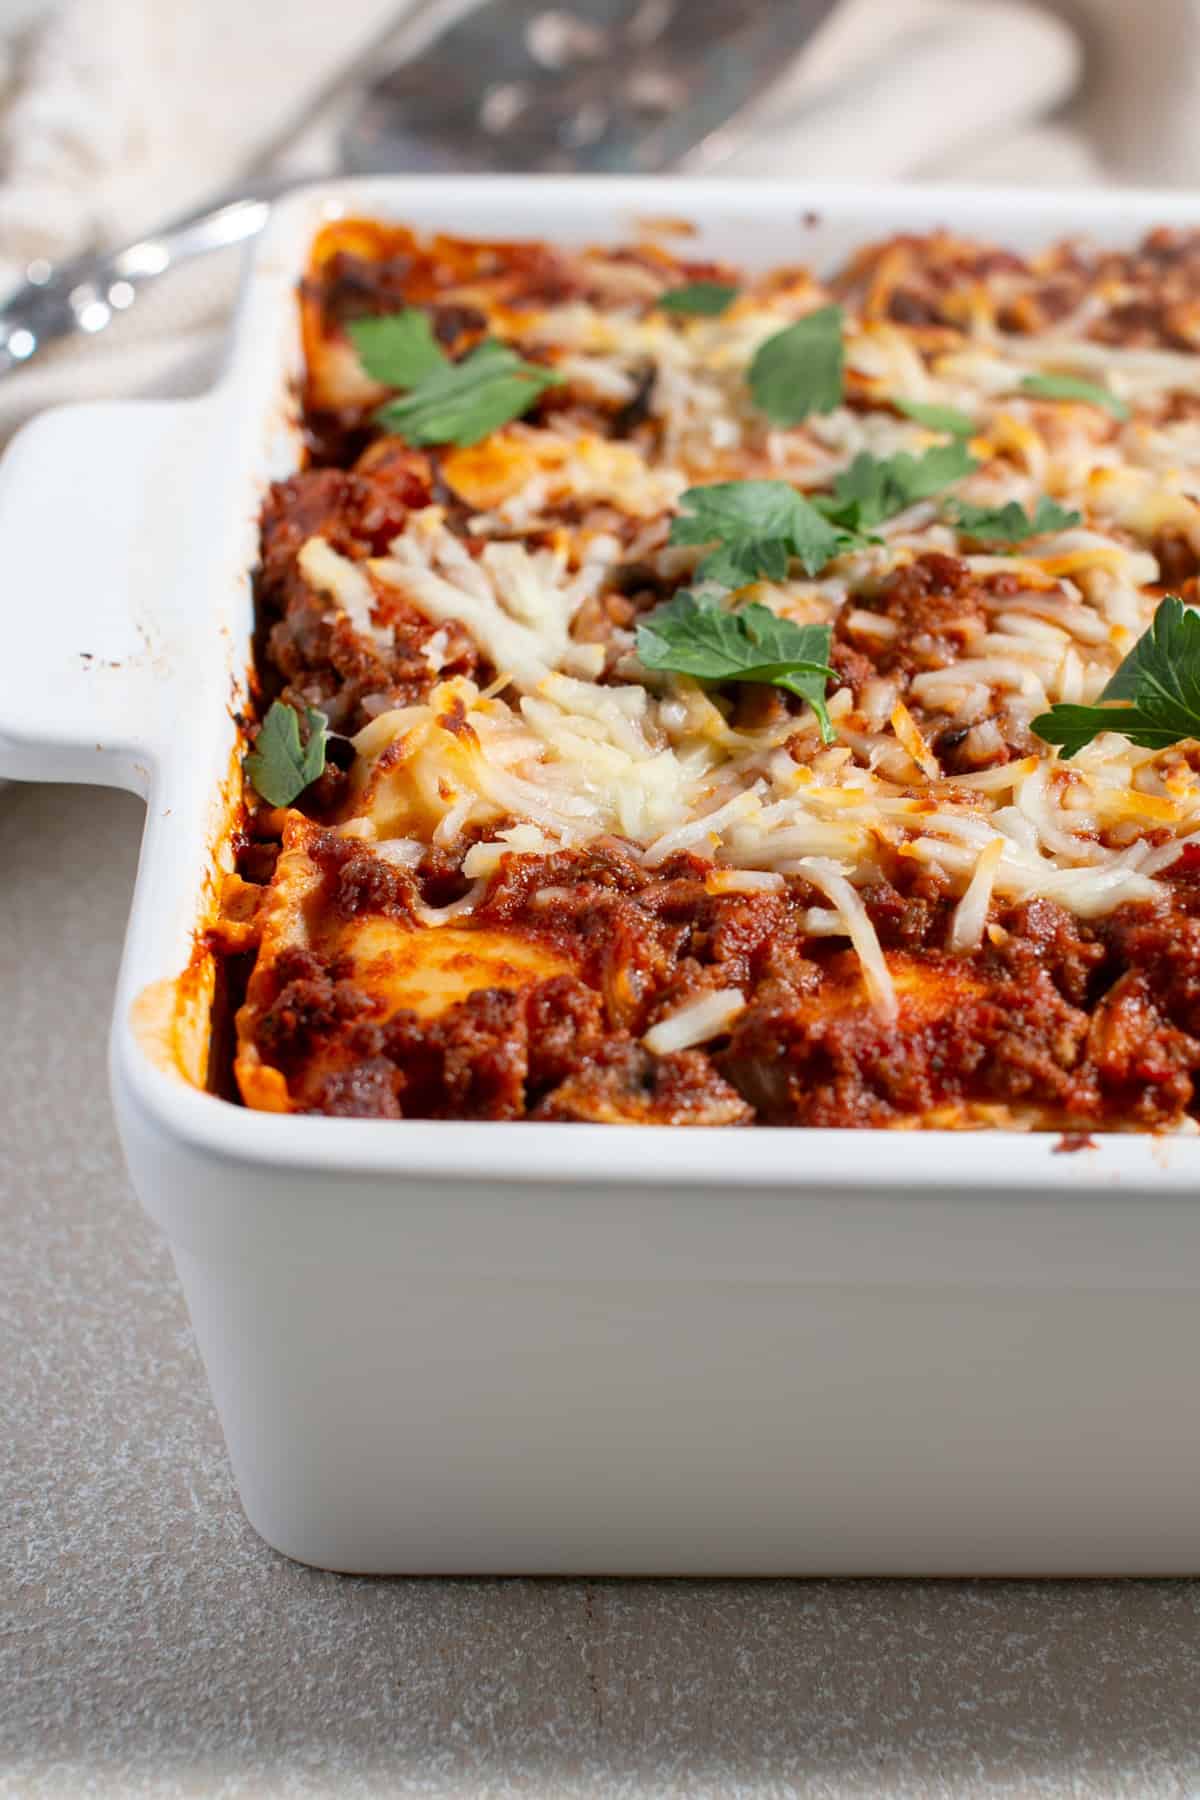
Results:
89 291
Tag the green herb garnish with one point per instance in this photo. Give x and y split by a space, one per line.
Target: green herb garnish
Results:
280 766
699 299
447 402
1010 524
757 526
1073 387
1159 681
464 402
870 491
399 350
800 370
937 418
693 634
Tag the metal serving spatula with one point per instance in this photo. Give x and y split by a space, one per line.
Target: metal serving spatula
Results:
612 86
608 86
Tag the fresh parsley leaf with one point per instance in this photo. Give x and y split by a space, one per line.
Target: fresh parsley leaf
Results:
757 526
1010 524
800 370
870 491
1159 681
446 402
1073 387
279 765
699 299
463 402
399 350
695 635
937 418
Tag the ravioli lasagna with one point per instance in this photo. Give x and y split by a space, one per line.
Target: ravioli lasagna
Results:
693 696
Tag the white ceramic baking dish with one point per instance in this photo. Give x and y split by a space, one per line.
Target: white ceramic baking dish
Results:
558 1348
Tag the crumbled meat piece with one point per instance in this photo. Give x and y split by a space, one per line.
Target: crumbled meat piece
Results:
1177 560
1143 1064
628 1086
310 1008
318 652
936 602
360 882
565 1022
367 1090
1040 934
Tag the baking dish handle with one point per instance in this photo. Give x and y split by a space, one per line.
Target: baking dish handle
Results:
93 517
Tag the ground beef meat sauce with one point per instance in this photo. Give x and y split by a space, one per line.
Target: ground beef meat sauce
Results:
537 880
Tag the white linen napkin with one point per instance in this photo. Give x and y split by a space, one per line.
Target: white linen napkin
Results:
116 113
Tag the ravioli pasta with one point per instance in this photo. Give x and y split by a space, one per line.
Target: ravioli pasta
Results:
538 879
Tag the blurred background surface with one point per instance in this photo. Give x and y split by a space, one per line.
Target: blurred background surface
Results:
115 114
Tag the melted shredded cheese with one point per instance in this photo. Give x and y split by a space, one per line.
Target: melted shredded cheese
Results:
575 740
347 585
695 1023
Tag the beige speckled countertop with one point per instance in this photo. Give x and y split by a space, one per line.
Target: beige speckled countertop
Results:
151 1644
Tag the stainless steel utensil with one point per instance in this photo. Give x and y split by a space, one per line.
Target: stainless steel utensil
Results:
599 85
612 86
